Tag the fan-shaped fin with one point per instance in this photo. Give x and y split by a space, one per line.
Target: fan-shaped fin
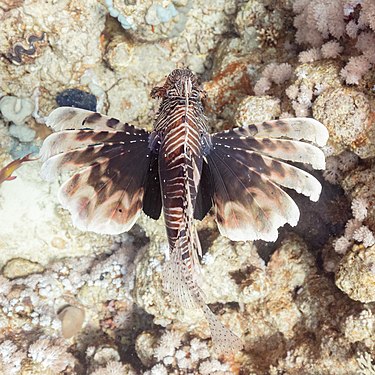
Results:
248 202
248 206
295 151
279 172
103 200
302 128
64 118
74 139
106 195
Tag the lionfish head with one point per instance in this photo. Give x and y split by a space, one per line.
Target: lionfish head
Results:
179 83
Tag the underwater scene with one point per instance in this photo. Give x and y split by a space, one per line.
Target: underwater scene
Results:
187 187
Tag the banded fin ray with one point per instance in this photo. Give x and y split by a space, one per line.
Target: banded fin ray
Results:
104 200
68 140
299 128
106 194
248 171
63 118
279 172
289 150
78 158
247 205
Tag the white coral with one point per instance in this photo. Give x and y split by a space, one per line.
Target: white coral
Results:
169 342
50 355
5 285
317 21
331 49
198 350
281 73
276 73
262 86
351 226
363 234
355 69
213 367
10 358
341 245
111 368
311 55
159 369
359 208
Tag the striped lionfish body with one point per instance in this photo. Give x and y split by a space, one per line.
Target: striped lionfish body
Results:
181 168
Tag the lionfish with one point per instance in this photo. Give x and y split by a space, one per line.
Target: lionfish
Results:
181 168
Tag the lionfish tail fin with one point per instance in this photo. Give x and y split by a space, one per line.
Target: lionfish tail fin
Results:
223 339
182 284
174 281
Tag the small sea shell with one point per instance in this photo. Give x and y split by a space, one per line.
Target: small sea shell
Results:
71 320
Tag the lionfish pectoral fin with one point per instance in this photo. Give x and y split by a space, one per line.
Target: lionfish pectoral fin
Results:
152 203
299 128
204 197
106 194
248 172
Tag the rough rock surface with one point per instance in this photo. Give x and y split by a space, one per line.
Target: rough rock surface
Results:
349 116
356 274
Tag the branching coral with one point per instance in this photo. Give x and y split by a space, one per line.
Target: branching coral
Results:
169 342
50 355
173 351
114 368
366 364
10 358
44 355
325 25
337 166
273 73
355 230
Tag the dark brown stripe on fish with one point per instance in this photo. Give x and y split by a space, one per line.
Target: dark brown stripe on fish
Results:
112 122
91 118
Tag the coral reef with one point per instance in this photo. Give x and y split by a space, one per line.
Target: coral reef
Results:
73 302
151 20
348 22
16 110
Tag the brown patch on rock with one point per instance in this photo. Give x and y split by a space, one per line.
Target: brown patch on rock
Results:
228 87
